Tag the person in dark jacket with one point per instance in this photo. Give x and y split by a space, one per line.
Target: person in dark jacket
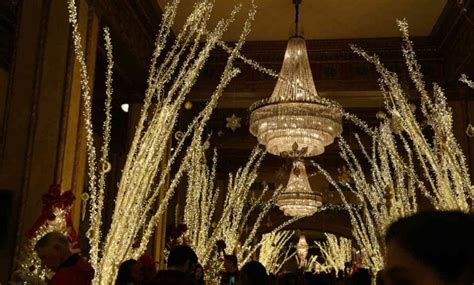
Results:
433 248
182 261
130 273
54 251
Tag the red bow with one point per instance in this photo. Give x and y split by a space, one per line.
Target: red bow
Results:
51 200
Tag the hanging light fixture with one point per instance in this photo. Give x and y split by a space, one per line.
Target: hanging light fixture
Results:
302 248
296 122
295 113
298 199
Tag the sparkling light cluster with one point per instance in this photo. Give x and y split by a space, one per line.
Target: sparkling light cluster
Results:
335 252
231 224
466 80
30 270
274 250
144 177
403 160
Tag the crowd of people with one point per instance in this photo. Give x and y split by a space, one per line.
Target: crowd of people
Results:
426 248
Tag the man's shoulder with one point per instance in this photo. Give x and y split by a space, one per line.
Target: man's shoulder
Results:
79 272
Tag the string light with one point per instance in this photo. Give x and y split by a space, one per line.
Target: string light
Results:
135 217
389 190
272 253
335 252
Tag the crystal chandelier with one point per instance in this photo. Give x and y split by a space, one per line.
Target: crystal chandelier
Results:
296 122
295 113
298 199
302 248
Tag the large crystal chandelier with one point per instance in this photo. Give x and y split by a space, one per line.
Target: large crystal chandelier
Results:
296 122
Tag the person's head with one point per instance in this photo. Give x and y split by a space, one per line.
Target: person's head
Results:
253 273
130 271
430 248
148 267
53 249
199 273
361 277
230 263
182 258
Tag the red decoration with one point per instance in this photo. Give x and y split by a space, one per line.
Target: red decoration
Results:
53 199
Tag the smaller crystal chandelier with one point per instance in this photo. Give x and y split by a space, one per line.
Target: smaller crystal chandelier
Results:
302 248
298 199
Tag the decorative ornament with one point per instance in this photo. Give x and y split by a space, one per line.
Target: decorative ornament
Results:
380 115
233 122
106 167
470 131
188 105
178 135
343 175
84 197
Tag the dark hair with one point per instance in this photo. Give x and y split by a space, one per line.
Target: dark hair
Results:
200 281
180 254
52 238
231 258
444 241
289 278
255 272
361 277
125 272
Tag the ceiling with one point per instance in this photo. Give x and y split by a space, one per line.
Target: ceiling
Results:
325 19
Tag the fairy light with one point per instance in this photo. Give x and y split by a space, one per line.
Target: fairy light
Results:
335 252
134 218
466 80
274 250
389 189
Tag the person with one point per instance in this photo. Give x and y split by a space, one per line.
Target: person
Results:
182 261
289 278
54 251
361 277
199 275
148 267
253 273
231 273
130 273
435 248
